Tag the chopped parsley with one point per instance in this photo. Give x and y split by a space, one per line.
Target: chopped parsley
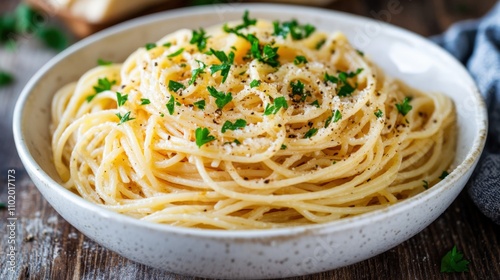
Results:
298 90
311 133
26 21
102 62
266 54
175 86
145 101
2 205
239 123
337 116
345 87
52 37
426 184
199 39
360 53
102 85
121 99
320 44
379 113
5 78
200 104
221 98
254 83
405 106
247 21
296 31
269 56
171 105
202 136
331 78
283 147
167 44
444 175
124 118
149 46
196 72
174 54
315 103
227 61
300 59
454 261
278 103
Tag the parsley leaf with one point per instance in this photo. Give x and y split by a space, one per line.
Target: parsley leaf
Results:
121 99
311 133
5 78
52 37
200 104
379 113
199 39
454 261
444 175
300 59
254 83
149 46
315 103
360 53
175 86
297 31
320 44
171 105
337 116
221 98
298 90
247 21
167 45
145 101
278 103
283 147
346 88
102 85
174 54
270 56
202 136
239 123
332 79
196 72
124 118
227 61
405 106
103 62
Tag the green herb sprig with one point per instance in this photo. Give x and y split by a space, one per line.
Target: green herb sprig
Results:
202 136
221 98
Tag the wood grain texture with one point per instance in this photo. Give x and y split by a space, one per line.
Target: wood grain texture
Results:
50 248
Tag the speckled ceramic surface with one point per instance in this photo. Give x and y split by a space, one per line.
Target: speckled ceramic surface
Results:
254 254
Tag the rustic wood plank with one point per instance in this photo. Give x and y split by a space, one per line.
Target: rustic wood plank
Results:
50 248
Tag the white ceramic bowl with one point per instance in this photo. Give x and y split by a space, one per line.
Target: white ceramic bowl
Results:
258 253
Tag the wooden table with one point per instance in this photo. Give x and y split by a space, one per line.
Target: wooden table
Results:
50 248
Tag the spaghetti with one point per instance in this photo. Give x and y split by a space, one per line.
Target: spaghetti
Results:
247 126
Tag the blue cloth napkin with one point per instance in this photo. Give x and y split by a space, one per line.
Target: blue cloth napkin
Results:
477 45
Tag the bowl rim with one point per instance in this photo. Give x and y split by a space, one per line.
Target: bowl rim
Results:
469 162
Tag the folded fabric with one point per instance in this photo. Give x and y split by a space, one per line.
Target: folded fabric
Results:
477 45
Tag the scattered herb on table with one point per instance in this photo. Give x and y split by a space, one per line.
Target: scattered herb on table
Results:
454 261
